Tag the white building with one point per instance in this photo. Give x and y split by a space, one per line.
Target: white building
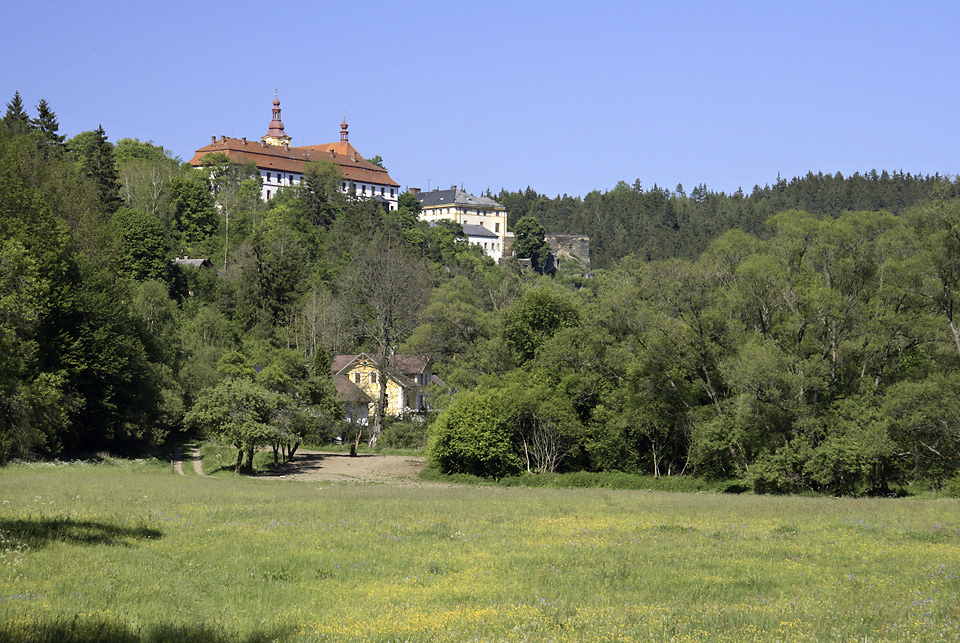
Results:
484 220
281 164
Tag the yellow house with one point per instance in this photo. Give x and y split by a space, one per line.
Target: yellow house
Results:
407 377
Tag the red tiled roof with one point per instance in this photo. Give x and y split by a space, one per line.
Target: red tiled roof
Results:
293 159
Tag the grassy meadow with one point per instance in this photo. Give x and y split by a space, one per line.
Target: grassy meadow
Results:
128 551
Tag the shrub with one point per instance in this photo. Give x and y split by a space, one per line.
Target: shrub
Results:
404 434
472 437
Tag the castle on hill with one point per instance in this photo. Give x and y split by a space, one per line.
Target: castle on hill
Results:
281 164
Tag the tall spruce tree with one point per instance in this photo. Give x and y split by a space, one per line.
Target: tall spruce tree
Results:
98 164
46 124
16 119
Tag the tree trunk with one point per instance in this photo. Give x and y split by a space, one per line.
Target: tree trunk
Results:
381 407
356 445
239 466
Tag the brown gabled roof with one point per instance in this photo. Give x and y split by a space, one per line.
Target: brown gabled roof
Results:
411 364
403 367
340 362
347 391
294 159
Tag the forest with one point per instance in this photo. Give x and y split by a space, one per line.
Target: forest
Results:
801 338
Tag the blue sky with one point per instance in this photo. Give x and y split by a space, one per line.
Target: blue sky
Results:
564 97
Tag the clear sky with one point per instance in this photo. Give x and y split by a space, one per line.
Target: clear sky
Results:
564 97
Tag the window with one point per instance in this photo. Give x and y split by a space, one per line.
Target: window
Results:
496 227
373 377
269 177
391 192
268 195
386 400
356 378
381 191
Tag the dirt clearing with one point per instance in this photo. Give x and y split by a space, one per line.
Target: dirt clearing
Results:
341 467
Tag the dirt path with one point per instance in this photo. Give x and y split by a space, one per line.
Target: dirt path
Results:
332 467
177 462
197 464
340 467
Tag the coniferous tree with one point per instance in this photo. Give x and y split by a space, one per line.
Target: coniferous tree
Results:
98 164
46 124
16 119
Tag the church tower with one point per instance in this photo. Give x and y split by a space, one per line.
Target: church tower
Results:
275 135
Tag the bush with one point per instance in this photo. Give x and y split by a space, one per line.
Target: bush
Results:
472 437
404 434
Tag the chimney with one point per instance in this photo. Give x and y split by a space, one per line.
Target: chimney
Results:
213 139
244 140
223 138
413 190
453 187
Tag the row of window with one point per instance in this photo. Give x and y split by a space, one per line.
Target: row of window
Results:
290 178
362 189
421 379
478 212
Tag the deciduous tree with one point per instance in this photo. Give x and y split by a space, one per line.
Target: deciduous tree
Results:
386 288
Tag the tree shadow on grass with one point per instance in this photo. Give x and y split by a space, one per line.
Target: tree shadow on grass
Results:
39 532
77 630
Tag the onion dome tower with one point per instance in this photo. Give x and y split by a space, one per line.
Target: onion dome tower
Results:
275 135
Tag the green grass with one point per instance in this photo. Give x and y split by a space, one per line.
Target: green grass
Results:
127 551
591 480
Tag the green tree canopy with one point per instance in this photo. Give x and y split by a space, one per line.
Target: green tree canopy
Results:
144 254
530 244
